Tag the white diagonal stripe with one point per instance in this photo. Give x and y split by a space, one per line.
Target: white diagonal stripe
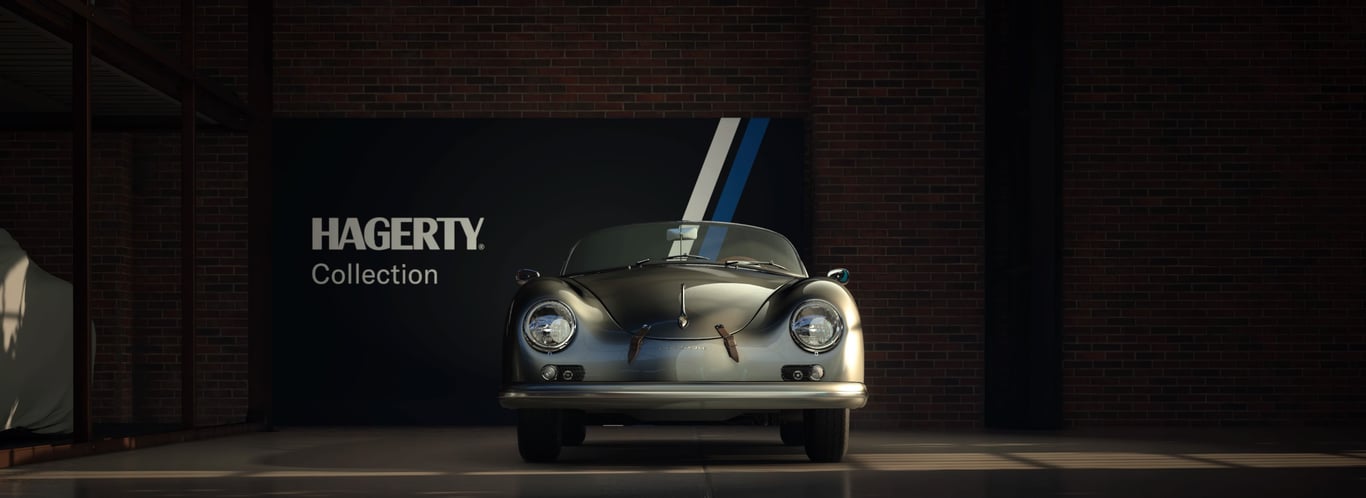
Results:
711 169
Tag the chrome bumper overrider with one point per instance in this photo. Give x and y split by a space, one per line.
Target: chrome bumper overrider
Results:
685 396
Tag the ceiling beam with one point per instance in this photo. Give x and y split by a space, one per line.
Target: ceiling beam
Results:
61 121
125 49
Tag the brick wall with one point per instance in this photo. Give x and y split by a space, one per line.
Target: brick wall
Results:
112 269
1215 166
221 330
896 165
220 37
540 61
221 309
1213 191
35 196
115 9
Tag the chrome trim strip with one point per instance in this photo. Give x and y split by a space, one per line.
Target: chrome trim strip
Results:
682 306
686 396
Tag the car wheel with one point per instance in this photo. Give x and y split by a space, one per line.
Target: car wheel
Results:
574 429
794 433
538 434
827 434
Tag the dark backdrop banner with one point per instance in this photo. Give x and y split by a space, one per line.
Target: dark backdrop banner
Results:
396 241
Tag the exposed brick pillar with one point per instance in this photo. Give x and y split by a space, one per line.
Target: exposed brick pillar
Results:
897 170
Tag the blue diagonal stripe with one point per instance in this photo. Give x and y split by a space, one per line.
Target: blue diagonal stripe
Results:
735 185
739 172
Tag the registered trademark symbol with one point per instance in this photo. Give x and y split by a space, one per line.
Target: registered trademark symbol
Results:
481 247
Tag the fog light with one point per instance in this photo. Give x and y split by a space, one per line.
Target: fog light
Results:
549 372
803 373
568 374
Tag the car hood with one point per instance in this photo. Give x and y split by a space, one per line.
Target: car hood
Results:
711 295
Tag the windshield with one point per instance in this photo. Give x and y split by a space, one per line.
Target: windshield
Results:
684 242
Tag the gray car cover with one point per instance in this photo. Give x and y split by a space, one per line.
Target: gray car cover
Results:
35 345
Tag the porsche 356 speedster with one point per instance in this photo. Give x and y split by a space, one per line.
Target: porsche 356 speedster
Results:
683 321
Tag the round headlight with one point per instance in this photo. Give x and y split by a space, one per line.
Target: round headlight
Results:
816 325
548 326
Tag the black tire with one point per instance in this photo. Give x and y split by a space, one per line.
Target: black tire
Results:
827 434
574 429
793 433
538 435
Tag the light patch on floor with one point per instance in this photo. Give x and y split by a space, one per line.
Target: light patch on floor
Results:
1003 445
1283 460
121 474
801 467
920 445
939 461
582 472
768 458
1113 460
344 473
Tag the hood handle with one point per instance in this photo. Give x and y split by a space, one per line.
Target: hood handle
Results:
636 341
682 306
729 339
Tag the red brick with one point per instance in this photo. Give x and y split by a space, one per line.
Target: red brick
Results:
1214 213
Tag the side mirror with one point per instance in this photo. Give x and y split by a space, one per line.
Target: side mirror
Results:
524 274
840 275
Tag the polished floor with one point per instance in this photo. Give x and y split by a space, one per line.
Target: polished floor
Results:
660 462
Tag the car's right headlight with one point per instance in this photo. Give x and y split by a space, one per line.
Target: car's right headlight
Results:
816 325
548 326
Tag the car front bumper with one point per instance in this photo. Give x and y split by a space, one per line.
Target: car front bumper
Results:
606 396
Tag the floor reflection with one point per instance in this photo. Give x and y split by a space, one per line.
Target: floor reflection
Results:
703 462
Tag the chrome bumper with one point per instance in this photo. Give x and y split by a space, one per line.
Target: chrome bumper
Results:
685 396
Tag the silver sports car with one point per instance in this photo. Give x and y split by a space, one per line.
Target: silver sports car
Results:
683 321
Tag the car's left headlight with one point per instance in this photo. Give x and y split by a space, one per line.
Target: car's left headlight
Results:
816 325
549 325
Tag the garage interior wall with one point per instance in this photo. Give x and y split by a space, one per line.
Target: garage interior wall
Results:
1213 251
1214 266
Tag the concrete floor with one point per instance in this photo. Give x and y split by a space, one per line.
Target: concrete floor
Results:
660 462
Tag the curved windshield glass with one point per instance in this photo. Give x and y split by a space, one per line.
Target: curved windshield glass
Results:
702 242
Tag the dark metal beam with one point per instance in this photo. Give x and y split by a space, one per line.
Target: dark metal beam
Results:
80 226
125 49
188 96
260 80
1023 347
61 121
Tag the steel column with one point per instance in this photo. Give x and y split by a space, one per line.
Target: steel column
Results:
1023 347
80 226
260 83
188 90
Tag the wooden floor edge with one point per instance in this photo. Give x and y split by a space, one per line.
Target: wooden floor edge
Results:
10 457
